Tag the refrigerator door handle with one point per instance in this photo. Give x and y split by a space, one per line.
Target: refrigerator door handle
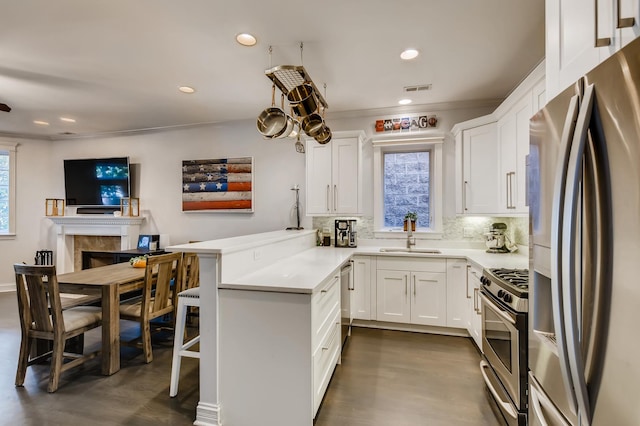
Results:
556 245
570 251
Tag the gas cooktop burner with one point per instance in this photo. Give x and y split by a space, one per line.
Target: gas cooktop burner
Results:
510 286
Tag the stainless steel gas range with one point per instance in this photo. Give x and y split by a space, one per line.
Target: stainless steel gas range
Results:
505 303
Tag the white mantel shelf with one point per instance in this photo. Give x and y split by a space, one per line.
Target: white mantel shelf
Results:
127 228
96 220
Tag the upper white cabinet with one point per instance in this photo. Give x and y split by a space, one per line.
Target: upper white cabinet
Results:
333 175
513 141
479 147
491 153
580 35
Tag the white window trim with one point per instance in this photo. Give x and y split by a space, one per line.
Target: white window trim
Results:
11 148
381 146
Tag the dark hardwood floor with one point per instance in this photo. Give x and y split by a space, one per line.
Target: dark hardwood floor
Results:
406 379
386 378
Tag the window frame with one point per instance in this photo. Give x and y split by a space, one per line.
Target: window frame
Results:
11 149
433 144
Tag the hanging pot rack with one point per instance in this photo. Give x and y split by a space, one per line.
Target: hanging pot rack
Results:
286 77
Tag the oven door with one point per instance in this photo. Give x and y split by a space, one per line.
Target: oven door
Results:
500 344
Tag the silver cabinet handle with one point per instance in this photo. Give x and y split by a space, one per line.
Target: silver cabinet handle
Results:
414 285
464 195
335 197
467 284
475 299
599 42
624 22
405 285
328 191
506 188
511 178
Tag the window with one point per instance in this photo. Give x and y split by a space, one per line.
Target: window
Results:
7 189
406 187
408 177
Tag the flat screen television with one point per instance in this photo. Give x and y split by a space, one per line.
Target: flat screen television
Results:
94 182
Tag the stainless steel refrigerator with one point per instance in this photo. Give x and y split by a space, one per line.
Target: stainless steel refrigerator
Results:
584 195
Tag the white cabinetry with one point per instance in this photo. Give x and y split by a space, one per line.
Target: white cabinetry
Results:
333 175
412 291
580 35
362 297
479 178
457 293
474 319
513 140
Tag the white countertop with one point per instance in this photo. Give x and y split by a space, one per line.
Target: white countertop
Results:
304 272
301 273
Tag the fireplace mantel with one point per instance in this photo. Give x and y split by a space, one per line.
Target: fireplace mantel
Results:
127 228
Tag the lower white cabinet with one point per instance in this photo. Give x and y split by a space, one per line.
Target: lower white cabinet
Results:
362 294
474 321
457 293
411 291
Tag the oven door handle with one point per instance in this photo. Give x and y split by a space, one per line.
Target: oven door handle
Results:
508 408
497 309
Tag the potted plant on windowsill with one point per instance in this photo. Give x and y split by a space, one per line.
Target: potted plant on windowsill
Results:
410 216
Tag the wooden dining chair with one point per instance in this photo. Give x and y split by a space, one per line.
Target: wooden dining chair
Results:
158 298
42 317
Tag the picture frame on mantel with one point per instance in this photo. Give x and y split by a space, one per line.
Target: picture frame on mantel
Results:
222 185
129 207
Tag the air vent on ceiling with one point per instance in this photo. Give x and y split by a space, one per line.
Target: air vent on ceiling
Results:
418 88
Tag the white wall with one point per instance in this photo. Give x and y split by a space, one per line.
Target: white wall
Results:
277 168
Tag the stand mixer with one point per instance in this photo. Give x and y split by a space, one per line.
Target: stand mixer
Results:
496 240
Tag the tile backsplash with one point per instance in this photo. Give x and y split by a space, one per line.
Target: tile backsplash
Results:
469 229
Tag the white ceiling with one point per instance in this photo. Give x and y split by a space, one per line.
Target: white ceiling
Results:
115 65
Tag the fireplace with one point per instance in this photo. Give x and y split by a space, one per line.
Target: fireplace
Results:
99 228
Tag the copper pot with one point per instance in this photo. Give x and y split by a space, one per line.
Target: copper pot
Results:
324 135
312 124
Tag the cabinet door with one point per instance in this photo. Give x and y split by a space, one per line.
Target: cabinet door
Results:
480 187
474 323
361 294
345 176
318 194
571 40
629 9
429 298
507 133
457 293
393 296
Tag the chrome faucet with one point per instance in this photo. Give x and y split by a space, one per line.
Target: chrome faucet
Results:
411 241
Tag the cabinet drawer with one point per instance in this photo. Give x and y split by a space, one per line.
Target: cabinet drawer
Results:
325 359
324 303
412 264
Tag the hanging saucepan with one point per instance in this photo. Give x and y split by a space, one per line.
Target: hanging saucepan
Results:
312 124
324 135
272 122
303 100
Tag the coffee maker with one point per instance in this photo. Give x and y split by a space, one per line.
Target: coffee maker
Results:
345 233
496 240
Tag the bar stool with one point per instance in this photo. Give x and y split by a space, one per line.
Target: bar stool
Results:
186 298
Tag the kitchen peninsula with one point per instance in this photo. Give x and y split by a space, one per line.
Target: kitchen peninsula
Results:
270 324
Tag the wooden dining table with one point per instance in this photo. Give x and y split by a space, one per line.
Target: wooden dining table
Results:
111 281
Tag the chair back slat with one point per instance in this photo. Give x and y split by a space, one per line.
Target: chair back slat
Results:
161 272
190 271
38 297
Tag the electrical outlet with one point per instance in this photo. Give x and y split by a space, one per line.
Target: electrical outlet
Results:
467 232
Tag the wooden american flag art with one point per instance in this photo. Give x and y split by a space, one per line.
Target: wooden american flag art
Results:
218 185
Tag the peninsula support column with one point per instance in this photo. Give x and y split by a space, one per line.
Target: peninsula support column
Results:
208 409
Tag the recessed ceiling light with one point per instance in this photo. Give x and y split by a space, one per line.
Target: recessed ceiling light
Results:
405 101
186 89
409 54
67 119
40 122
246 39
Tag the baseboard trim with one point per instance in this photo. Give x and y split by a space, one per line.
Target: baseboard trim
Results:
446 331
8 287
207 414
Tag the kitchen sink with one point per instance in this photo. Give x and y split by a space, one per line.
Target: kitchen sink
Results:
411 250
